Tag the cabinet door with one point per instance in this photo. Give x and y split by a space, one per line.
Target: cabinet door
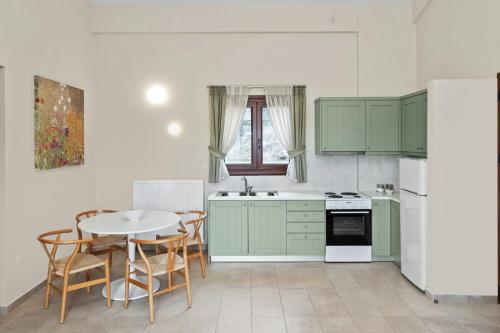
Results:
409 113
306 244
382 126
381 227
267 227
343 125
395 231
228 228
422 124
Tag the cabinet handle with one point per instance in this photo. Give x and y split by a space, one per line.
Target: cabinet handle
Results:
305 227
368 148
305 236
305 215
305 204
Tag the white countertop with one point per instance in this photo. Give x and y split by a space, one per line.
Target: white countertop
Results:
280 196
381 195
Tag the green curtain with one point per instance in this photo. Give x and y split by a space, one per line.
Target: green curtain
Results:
217 109
299 132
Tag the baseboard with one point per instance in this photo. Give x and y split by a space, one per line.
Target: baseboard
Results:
457 299
6 309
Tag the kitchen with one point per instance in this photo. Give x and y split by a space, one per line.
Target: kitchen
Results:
399 93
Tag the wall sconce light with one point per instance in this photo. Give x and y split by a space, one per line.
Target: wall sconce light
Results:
156 94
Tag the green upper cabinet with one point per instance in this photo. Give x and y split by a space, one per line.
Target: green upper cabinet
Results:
381 228
382 126
340 125
228 228
267 227
414 124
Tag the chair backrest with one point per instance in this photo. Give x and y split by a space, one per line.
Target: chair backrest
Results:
89 213
194 218
173 244
46 242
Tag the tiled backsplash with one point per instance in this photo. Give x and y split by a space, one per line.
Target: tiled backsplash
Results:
327 173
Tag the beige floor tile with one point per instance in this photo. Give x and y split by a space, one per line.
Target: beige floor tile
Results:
488 309
296 302
165 324
266 302
338 324
466 309
206 302
130 324
289 278
372 325
327 302
442 324
358 302
264 279
413 296
427 310
407 324
388 302
341 277
234 324
477 324
268 325
235 302
237 277
315 278
199 324
303 325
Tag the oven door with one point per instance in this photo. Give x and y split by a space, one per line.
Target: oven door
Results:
348 228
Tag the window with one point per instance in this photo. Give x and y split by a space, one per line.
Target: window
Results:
257 150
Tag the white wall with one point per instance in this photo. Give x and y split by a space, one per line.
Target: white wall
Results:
376 59
462 227
50 38
458 39
2 186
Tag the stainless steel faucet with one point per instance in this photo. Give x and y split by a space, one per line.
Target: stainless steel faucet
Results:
247 188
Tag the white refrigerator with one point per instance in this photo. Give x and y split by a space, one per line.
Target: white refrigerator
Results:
413 210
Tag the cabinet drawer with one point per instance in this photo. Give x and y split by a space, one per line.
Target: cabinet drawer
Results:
305 227
309 205
305 244
305 216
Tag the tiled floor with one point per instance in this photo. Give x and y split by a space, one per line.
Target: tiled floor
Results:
267 297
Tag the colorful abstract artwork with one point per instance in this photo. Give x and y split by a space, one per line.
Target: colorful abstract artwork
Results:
59 138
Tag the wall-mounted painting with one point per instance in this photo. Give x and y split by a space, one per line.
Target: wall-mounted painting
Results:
58 124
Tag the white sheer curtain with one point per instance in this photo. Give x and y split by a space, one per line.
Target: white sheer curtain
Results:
279 102
236 104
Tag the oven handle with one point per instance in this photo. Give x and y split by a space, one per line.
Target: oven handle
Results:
349 212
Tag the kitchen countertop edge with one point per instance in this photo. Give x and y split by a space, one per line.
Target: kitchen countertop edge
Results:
379 195
288 196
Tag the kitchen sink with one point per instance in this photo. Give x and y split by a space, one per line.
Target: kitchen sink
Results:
244 194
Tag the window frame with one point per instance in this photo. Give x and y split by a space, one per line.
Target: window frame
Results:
257 167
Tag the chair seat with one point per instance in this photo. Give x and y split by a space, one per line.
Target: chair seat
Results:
82 262
159 264
107 241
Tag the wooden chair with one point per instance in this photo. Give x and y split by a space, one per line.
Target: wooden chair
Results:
102 244
160 264
72 264
194 238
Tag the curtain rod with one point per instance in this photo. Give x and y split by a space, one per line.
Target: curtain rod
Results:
257 85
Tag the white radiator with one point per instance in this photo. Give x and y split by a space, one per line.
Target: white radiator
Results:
171 195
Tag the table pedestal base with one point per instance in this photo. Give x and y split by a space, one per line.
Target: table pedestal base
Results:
134 292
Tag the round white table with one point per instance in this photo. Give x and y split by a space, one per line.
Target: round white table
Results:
118 224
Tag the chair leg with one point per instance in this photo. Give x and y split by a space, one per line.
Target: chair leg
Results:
64 297
110 258
48 289
169 278
127 274
150 298
202 262
188 285
87 278
108 286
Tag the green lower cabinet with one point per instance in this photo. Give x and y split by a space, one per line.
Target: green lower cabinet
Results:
267 228
305 244
381 228
395 232
228 228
